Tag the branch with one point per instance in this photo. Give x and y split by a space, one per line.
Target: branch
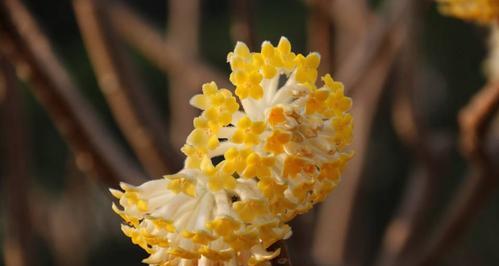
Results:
95 151
18 246
183 32
335 236
332 235
374 42
473 193
120 85
406 229
319 33
283 259
242 26
164 55
350 20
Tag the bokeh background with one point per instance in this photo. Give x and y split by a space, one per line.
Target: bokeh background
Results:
418 69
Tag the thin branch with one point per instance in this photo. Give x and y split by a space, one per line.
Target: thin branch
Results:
360 68
164 55
183 33
130 106
283 259
350 20
335 219
18 246
407 227
482 181
95 151
319 33
374 42
242 26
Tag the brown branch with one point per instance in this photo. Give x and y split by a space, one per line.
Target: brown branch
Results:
283 258
319 33
132 109
183 33
335 219
95 151
18 249
365 70
350 20
407 227
242 26
164 55
482 181
374 42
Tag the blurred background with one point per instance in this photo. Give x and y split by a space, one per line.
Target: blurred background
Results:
94 92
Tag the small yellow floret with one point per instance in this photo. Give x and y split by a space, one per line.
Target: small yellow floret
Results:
182 185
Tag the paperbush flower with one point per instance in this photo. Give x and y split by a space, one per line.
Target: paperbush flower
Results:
248 171
482 11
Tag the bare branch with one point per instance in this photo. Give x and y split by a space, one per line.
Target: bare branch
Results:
164 55
319 33
95 151
350 20
183 33
374 42
242 27
331 234
335 218
482 181
133 110
283 258
18 247
407 227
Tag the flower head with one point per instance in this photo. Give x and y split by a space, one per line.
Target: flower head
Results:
247 172
481 11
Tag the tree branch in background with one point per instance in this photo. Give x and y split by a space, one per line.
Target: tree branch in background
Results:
334 232
242 26
350 20
94 149
319 33
132 109
473 193
164 55
406 229
18 250
373 43
183 33
283 258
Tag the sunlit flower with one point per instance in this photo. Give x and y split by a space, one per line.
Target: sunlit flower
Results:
247 172
482 11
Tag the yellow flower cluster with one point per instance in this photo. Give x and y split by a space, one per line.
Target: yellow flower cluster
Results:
481 11
248 171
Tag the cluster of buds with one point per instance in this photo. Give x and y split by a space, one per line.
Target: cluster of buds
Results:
247 171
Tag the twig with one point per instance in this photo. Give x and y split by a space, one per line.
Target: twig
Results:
242 27
18 247
331 244
366 51
132 109
183 31
283 258
477 187
406 229
95 151
350 20
319 33
164 55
